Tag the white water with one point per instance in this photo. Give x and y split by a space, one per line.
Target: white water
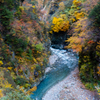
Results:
68 58
61 68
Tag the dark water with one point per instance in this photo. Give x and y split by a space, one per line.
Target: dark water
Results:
60 71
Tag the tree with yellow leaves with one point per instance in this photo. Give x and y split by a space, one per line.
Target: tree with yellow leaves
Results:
60 24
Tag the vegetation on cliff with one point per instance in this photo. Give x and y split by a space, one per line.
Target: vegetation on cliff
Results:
24 41
24 48
83 30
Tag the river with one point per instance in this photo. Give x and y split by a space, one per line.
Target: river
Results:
65 63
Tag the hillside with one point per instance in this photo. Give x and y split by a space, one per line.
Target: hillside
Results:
28 28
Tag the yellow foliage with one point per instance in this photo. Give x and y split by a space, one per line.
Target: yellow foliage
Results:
32 68
7 85
79 15
73 20
81 33
13 75
22 89
20 70
63 16
1 63
50 32
3 81
34 11
76 2
75 44
41 64
60 24
1 94
32 89
33 6
21 8
73 7
34 60
10 68
78 8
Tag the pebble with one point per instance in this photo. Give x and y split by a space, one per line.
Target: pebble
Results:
69 89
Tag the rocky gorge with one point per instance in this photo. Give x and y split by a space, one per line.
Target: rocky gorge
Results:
50 48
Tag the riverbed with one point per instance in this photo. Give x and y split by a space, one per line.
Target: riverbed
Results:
64 63
70 88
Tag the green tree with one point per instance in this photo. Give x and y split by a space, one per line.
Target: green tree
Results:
95 14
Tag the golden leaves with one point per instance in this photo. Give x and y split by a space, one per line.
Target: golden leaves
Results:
81 33
31 90
1 94
60 24
76 2
79 15
10 68
1 63
75 44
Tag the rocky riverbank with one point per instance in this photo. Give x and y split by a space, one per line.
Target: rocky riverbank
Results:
52 60
71 88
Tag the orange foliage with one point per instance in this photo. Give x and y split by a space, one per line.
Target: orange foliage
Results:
90 42
81 34
98 70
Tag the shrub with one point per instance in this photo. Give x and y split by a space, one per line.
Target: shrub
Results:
39 47
19 51
1 63
95 14
6 16
18 13
29 54
89 86
79 15
20 81
18 44
38 68
76 2
60 24
98 89
15 95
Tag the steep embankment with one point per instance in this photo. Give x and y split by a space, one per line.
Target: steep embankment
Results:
25 42
83 36
24 46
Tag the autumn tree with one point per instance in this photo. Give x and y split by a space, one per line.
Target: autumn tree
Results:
61 6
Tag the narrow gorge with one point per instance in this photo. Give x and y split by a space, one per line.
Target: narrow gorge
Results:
64 63
50 49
